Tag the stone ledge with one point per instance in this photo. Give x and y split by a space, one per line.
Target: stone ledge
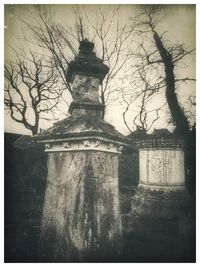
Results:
85 105
162 187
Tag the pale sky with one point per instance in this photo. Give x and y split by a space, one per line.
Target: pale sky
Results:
180 24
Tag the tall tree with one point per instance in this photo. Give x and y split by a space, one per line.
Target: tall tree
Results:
159 58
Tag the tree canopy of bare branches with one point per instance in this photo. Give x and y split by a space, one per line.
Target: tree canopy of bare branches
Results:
142 59
112 40
31 89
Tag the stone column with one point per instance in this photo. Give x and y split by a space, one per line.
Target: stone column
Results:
161 190
81 215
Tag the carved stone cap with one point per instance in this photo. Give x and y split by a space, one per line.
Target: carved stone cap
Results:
161 138
86 47
86 62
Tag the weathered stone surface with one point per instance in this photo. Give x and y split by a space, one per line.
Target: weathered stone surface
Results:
161 161
162 168
85 88
81 215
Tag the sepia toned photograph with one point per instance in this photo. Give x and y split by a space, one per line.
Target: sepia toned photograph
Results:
99 133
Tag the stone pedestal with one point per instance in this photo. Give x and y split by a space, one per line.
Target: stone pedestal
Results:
81 215
160 226
161 190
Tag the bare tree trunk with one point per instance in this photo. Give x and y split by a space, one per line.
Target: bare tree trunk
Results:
34 130
177 113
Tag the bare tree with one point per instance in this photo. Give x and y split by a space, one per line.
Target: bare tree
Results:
31 90
112 41
168 56
141 102
115 42
157 61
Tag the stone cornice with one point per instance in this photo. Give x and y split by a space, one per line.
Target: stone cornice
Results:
93 144
160 143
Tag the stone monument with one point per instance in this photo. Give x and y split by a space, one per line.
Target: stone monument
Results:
81 216
161 190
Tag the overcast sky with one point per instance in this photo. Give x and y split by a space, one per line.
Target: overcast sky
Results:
180 24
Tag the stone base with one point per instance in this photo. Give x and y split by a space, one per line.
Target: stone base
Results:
160 227
163 203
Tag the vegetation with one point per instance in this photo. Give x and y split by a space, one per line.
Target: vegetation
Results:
144 63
